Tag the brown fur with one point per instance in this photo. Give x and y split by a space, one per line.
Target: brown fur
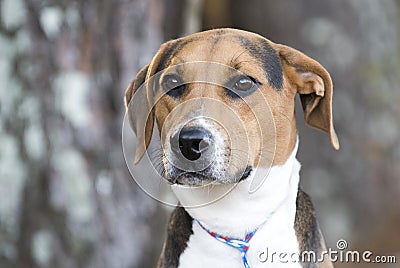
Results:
283 73
301 74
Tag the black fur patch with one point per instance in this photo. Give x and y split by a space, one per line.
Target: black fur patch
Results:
178 233
174 46
306 227
264 53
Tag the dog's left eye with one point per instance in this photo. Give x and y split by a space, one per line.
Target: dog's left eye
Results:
244 83
242 86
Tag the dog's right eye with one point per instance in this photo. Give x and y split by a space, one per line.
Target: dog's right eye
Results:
173 86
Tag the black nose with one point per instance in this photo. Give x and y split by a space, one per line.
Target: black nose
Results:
193 141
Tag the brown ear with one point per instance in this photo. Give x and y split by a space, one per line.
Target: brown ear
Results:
314 85
140 113
140 99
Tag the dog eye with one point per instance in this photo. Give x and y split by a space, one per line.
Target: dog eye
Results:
173 86
242 86
244 83
170 82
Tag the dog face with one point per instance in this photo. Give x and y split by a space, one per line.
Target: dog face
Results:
223 101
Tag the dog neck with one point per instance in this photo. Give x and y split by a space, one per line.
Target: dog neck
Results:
236 212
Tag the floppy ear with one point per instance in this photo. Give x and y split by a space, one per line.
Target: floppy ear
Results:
140 100
314 85
140 112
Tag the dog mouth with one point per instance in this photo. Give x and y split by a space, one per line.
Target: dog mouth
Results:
193 179
246 173
203 179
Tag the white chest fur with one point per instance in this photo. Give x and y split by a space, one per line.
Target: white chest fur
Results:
272 207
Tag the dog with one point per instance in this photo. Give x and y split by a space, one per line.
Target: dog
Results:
224 104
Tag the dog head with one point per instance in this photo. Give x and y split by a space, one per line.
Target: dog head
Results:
224 103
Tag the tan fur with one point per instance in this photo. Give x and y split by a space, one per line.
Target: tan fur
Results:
301 74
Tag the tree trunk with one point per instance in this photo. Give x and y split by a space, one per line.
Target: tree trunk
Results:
67 197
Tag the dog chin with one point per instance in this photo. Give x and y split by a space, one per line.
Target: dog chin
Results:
193 179
198 179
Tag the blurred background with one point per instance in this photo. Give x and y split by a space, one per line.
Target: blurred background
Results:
66 196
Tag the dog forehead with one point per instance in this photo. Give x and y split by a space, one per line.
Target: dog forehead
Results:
230 47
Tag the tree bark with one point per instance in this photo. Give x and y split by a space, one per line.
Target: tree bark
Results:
72 200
